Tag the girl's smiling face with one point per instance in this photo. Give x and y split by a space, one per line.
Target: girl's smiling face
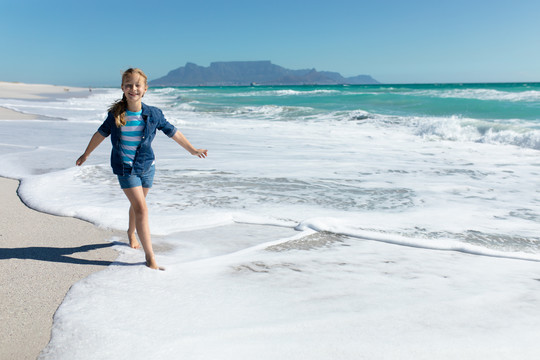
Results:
134 87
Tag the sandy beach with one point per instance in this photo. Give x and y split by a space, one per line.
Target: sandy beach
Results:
41 255
13 90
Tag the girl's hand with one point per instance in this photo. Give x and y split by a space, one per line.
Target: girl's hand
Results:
96 139
202 153
81 160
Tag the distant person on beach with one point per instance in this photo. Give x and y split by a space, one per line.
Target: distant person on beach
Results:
132 126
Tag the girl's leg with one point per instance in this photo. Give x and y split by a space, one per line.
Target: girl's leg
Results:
137 199
132 226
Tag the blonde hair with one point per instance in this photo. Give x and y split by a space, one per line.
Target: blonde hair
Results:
119 107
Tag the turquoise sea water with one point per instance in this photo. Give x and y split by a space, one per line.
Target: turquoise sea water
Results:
504 113
479 101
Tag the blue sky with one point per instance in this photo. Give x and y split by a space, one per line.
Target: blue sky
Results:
89 43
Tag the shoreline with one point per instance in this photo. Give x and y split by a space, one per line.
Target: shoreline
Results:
41 257
15 90
9 114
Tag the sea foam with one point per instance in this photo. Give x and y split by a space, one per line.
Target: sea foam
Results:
366 226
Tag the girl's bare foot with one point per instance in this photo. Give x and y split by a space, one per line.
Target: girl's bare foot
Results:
152 264
133 242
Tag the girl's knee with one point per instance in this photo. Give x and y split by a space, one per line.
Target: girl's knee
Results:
141 210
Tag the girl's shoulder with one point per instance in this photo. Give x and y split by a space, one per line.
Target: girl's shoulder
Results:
148 109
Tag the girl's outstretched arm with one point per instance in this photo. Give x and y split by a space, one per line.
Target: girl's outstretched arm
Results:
96 139
183 142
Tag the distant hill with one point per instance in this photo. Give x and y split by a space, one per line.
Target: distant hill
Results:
242 73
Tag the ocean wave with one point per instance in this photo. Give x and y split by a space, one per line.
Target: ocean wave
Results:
529 140
273 111
354 115
172 90
482 94
309 92
332 226
458 129
186 106
283 92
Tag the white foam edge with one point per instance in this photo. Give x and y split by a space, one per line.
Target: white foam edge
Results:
319 225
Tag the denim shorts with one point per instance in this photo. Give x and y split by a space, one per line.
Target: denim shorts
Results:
131 181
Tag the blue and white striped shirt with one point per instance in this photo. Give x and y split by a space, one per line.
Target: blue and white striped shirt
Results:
131 136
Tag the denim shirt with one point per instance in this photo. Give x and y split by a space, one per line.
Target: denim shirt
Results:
144 158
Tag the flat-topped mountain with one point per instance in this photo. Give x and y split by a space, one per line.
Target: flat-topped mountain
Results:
242 73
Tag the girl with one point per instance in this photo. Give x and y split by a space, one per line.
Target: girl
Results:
132 126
